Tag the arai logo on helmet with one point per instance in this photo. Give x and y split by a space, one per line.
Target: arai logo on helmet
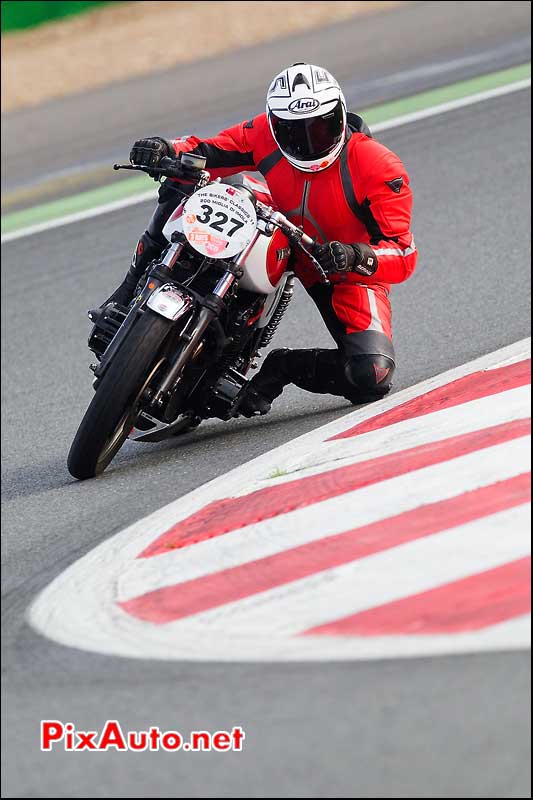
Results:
303 105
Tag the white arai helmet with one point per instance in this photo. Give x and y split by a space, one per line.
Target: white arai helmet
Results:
306 111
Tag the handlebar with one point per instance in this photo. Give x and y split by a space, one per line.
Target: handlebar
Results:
294 234
276 218
168 168
173 168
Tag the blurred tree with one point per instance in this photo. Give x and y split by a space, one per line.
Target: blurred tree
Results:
18 14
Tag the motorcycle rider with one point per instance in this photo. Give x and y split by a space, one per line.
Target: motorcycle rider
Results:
325 172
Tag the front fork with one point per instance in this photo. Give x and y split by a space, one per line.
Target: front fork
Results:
167 262
212 306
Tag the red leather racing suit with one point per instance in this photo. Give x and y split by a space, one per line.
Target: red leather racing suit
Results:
363 197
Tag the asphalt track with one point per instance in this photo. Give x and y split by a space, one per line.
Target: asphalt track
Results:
446 727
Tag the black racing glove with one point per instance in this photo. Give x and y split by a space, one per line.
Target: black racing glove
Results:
149 152
339 257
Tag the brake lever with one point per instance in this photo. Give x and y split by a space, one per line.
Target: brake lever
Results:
321 271
128 166
148 170
295 236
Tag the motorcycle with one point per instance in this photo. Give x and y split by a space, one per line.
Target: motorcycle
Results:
201 316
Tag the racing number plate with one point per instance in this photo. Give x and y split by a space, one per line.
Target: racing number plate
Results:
219 221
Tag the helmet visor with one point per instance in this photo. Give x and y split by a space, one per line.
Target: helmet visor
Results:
311 138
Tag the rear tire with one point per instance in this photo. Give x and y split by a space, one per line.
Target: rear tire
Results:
111 413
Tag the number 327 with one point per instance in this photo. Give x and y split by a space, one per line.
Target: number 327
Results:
218 224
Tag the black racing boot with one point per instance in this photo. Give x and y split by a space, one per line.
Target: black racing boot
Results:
317 371
359 379
146 251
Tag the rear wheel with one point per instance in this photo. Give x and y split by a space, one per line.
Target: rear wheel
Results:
115 405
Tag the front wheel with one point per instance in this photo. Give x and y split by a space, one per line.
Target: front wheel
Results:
115 405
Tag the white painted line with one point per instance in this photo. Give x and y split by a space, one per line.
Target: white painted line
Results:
396 122
452 105
79 608
79 216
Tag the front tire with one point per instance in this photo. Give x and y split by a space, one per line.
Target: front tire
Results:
112 411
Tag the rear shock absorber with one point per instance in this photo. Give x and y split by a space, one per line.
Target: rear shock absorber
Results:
285 299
